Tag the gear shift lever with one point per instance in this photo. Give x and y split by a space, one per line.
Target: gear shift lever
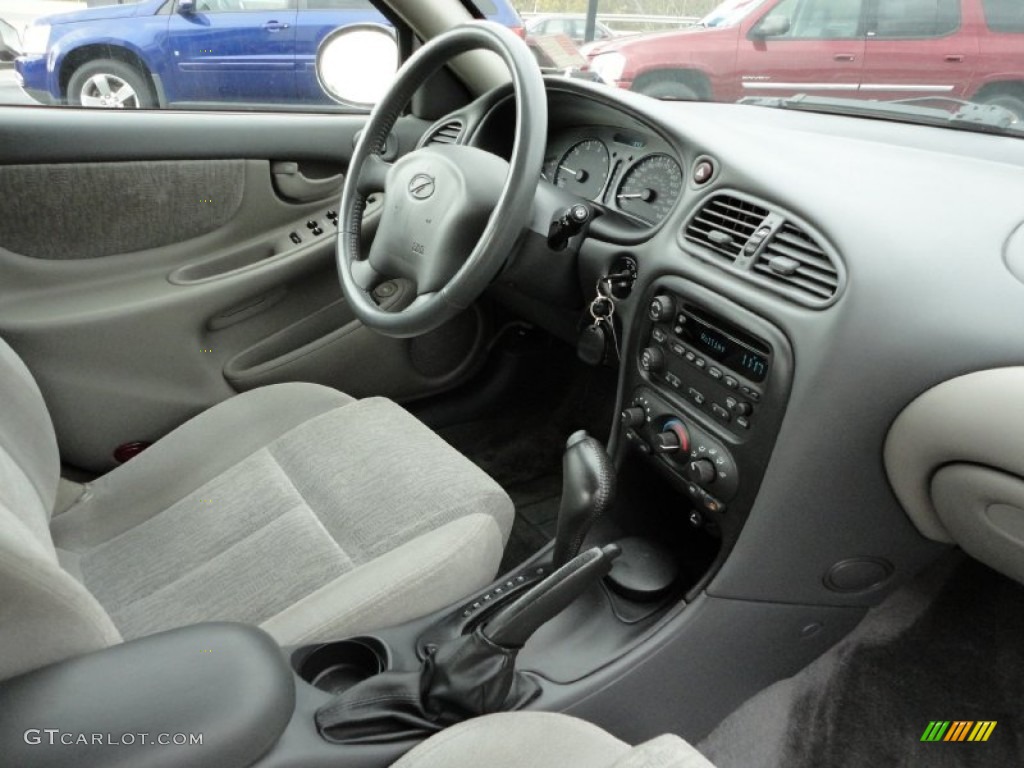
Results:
588 489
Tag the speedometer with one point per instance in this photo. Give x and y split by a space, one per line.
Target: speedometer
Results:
650 188
583 170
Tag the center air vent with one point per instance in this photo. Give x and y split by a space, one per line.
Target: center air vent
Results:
724 224
759 242
447 133
795 262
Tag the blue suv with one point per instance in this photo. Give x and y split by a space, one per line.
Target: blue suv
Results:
193 53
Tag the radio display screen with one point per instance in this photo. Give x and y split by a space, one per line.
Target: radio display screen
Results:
733 349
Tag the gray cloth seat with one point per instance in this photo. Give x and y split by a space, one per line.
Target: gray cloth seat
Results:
293 507
544 740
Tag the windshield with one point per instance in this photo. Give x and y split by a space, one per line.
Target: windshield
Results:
263 54
730 12
954 63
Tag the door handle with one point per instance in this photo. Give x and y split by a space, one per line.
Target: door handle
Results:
275 26
844 57
954 58
293 185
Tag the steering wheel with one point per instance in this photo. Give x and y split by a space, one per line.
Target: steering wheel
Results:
452 213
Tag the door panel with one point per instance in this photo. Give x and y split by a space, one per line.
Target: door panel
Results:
130 329
110 208
224 53
821 52
916 48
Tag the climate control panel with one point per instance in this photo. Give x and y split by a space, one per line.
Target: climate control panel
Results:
693 454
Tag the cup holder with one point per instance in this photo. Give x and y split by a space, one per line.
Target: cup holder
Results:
336 667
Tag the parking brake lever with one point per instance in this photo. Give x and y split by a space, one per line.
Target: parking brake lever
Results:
513 625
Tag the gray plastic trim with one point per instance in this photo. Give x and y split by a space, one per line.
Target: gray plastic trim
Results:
975 419
984 511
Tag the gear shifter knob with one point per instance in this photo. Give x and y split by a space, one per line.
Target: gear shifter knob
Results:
588 489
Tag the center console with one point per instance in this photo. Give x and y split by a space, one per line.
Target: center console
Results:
703 397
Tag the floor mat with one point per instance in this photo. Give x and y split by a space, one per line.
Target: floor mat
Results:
524 456
869 701
521 447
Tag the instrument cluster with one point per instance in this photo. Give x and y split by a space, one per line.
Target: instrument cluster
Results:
630 172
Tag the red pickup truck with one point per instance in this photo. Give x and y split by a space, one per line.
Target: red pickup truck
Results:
886 49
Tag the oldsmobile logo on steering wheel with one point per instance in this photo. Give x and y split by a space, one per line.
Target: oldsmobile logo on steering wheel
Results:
421 186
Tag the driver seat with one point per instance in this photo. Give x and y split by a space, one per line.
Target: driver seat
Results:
293 507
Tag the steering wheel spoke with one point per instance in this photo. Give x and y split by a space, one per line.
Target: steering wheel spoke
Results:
365 276
373 175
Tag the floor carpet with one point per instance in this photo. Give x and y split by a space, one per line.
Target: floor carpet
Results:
948 647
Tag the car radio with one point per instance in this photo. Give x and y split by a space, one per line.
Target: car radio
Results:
716 366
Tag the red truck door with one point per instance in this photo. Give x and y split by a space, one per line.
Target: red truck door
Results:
919 48
803 46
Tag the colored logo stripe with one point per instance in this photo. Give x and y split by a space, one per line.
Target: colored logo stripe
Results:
958 730
982 730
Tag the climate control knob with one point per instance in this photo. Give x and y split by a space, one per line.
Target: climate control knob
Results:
673 438
702 471
662 309
652 359
633 417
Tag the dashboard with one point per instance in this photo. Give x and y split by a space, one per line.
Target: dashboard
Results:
833 273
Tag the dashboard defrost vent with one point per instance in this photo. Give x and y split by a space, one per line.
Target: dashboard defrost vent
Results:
794 262
448 133
724 224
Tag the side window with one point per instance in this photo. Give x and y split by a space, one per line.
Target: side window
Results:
1004 15
239 6
337 5
917 18
816 19
827 19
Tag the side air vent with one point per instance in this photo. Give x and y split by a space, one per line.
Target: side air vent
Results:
448 133
795 263
724 224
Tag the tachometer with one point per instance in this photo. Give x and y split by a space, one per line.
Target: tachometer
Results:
650 188
583 170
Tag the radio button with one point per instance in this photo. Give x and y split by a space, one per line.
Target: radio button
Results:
700 362
696 396
750 392
738 407
715 373
690 356
678 348
661 308
743 422
652 359
658 335
720 412
731 383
